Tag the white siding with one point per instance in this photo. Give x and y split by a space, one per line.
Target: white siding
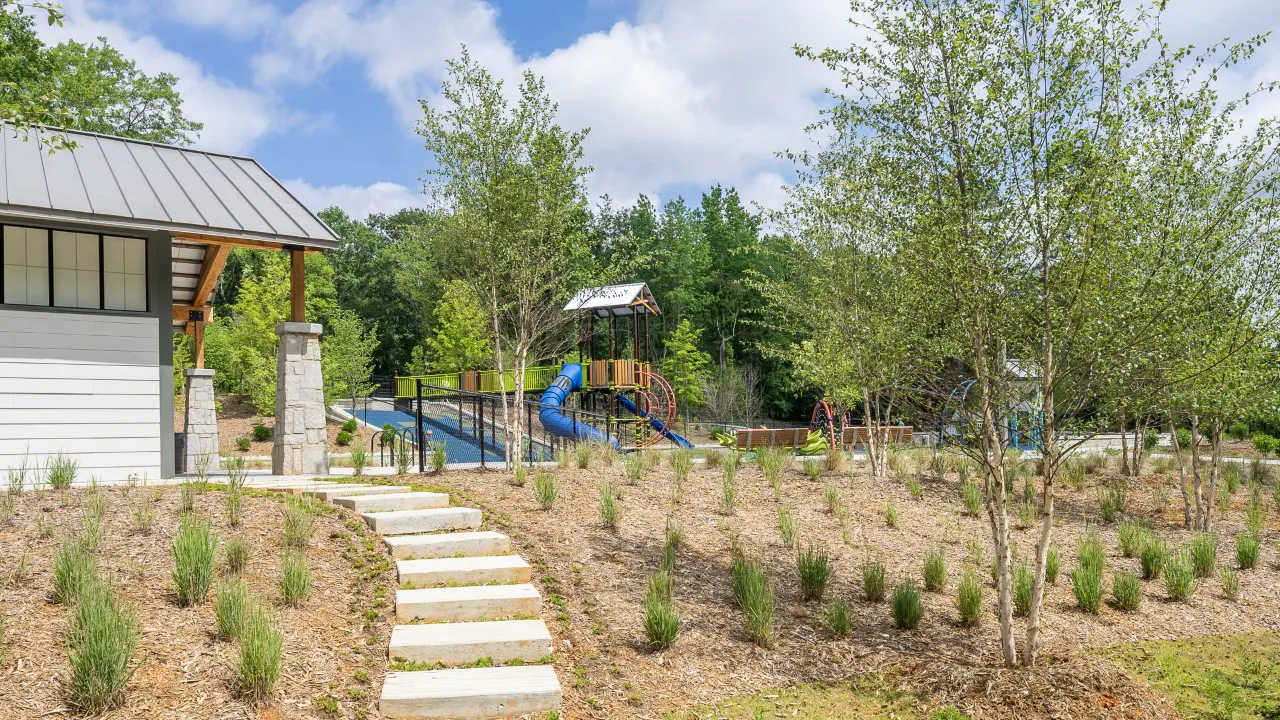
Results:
85 385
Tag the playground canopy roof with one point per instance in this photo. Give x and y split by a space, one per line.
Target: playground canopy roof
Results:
148 186
614 300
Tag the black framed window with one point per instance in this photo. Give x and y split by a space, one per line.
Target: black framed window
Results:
59 268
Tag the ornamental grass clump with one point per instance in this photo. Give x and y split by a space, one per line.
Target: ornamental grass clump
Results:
102 634
812 469
1086 580
838 619
1230 581
969 599
295 578
972 496
439 457
299 524
1247 550
728 488
890 515
236 552
681 464
1023 580
1152 558
545 488
906 606
935 570
1132 534
633 467
232 603
873 573
831 497
1052 562
261 649
582 452
60 472
1180 580
814 565
194 549
610 507
755 595
661 621
1204 554
74 567
1126 591
788 525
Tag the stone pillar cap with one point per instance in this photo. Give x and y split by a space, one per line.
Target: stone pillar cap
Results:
299 328
198 372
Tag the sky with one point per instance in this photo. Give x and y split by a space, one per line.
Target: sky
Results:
678 94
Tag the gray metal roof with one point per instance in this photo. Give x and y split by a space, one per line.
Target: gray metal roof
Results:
137 184
613 300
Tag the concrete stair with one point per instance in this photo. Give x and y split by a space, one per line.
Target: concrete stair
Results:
464 570
461 643
387 502
471 693
467 603
336 490
443 545
408 522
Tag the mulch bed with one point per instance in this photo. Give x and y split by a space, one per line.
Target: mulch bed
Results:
594 580
181 669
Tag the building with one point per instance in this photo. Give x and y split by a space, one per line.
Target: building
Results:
108 249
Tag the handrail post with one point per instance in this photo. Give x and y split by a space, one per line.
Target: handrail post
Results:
480 415
422 451
528 424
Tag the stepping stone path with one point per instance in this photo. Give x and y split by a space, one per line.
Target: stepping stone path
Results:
464 600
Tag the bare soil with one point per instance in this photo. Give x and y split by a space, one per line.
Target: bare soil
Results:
237 416
594 578
181 670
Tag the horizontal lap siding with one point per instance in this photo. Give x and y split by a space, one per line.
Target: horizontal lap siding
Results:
85 385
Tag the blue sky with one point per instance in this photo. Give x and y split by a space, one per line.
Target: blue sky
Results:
679 94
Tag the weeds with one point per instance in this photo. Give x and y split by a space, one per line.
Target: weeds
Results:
439 457
194 549
359 459
814 565
714 458
545 488
907 608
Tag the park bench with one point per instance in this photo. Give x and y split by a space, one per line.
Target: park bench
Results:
858 435
755 438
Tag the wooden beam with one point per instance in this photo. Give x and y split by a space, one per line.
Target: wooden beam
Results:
182 313
215 258
204 239
297 286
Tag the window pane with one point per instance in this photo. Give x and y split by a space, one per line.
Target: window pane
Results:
135 287
113 287
112 254
135 256
75 273
26 266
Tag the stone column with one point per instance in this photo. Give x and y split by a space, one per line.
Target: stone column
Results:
201 424
300 447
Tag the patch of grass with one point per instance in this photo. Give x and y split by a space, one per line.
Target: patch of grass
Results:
914 489
661 621
1132 534
299 524
439 457
1247 550
1126 591
728 488
1204 554
194 549
261 648
633 467
831 497
60 471
545 488
812 469
871 697
1180 580
610 506
681 464
969 599
1086 580
1052 563
1230 581
755 595
814 566
1151 559
102 633
232 603
935 570
236 552
1023 582
582 452
295 578
971 493
714 458
838 619
890 515
906 607
788 525
74 568
873 574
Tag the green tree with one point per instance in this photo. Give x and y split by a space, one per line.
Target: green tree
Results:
461 339
685 365
22 65
346 356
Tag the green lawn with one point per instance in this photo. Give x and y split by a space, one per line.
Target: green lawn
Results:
872 699
1232 677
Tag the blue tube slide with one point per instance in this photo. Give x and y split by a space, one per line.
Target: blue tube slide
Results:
555 421
657 424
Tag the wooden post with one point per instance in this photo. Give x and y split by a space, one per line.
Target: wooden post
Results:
297 286
199 337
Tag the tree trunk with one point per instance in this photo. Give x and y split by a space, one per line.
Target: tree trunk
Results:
1124 444
1182 472
1215 462
1139 447
500 363
1197 481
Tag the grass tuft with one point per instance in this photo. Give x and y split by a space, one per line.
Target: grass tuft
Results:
972 496
299 524
1204 554
814 565
194 549
232 603
1230 581
74 568
1052 563
907 608
969 599
102 634
935 570
1126 591
661 621
237 555
261 648
1151 559
1180 580
838 619
610 507
1247 550
295 578
873 574
1023 582
545 488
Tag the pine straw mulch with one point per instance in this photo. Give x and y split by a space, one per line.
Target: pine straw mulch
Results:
181 669
593 581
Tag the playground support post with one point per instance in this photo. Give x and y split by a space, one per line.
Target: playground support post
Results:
480 420
422 451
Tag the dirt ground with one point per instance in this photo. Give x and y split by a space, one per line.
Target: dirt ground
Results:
237 417
181 669
594 580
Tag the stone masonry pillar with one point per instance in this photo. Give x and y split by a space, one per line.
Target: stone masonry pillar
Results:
201 422
300 444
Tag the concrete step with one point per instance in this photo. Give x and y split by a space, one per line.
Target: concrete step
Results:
330 492
408 522
462 643
467 603
460 544
393 501
464 570
470 694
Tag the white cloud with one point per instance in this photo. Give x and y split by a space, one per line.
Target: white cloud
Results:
237 18
358 202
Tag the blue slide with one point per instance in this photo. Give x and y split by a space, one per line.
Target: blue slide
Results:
555 421
625 402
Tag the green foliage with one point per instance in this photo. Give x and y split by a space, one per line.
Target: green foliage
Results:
232 605
873 574
814 566
681 464
194 550
1204 554
686 366
1052 561
261 650
262 433
1023 581
838 619
343 438
935 570
60 471
1180 580
890 515
1126 591
1152 558
972 494
714 459
102 634
914 489
346 357
461 338
812 469
610 505
906 606
439 456
237 555
295 578
1086 584
359 459
1230 581
831 498
242 444
1133 535
788 525
1248 548
350 425
633 467
1264 444
583 453
545 489
661 621
969 599
73 569
299 524
754 593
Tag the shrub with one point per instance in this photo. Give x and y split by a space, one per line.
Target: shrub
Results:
299 524
633 468
1183 437
1204 554
237 554
261 647
890 515
728 491
661 621
1238 431
583 453
873 580
194 549
1180 579
232 604
1023 582
812 469
788 525
295 578
242 444
831 497
343 438
1152 558
102 634
545 489
935 570
610 509
1247 548
350 426
906 606
838 619
1132 536
73 568
1052 561
1230 583
262 433
814 565
1126 591
969 599
1264 444
439 457
972 495
359 459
